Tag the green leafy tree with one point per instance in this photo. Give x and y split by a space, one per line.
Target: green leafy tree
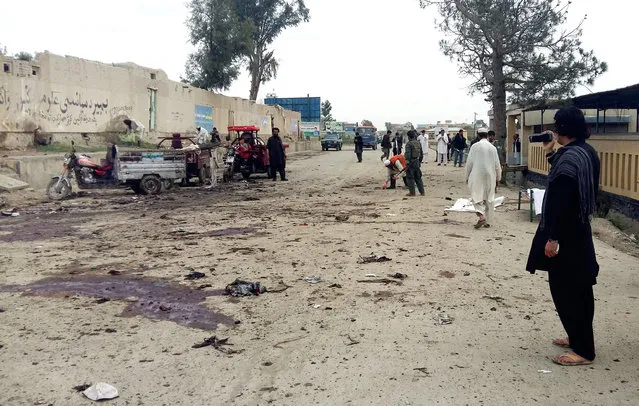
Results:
23 56
221 41
267 20
515 50
327 108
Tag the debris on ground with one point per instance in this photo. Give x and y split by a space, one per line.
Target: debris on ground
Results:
423 370
544 371
11 213
102 300
280 288
194 275
352 342
81 388
335 285
373 258
444 319
313 279
101 391
208 285
370 275
115 272
251 199
218 344
243 288
385 281
497 299
341 217
398 275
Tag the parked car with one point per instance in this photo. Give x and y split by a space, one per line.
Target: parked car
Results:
332 140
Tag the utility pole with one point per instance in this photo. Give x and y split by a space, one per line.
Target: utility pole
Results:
475 125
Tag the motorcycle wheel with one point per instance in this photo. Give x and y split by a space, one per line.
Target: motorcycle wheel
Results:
151 185
61 194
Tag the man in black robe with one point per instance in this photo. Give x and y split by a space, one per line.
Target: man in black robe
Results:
563 243
277 155
359 146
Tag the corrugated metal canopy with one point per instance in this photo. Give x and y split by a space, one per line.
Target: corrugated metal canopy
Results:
624 98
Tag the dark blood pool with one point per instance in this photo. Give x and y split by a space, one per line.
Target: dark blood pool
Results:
156 299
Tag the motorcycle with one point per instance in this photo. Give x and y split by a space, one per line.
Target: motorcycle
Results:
88 174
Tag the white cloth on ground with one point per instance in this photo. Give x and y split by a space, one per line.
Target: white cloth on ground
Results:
467 206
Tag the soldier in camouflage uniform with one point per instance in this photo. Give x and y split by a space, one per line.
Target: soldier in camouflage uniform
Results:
414 154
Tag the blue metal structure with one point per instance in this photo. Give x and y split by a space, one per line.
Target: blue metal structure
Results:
309 107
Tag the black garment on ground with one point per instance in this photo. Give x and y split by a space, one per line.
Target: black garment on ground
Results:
386 142
276 151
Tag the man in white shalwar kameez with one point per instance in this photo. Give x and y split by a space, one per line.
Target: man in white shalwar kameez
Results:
442 147
423 141
483 173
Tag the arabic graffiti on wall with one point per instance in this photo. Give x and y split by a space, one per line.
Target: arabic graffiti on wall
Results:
58 108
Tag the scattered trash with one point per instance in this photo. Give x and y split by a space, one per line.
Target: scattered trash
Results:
544 371
304 225
444 319
370 275
385 281
391 215
243 288
101 391
352 342
342 217
102 300
373 258
447 274
281 288
313 279
165 308
2 310
448 198
398 275
208 285
267 364
11 213
115 272
195 275
218 344
251 199
497 299
423 370
81 388
110 330
335 285
316 306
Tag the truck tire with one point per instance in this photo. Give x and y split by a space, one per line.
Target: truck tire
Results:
374 147
151 185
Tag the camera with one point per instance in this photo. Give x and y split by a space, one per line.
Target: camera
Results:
543 137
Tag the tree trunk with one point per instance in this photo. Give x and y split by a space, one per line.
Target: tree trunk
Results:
255 74
499 104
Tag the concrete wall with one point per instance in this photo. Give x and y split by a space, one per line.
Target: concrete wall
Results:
69 95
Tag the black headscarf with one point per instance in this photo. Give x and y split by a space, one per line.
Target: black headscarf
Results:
575 162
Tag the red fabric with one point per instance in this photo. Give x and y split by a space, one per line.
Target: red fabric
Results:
401 159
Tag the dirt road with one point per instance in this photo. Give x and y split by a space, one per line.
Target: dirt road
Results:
344 340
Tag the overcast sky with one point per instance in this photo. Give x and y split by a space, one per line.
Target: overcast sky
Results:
372 59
